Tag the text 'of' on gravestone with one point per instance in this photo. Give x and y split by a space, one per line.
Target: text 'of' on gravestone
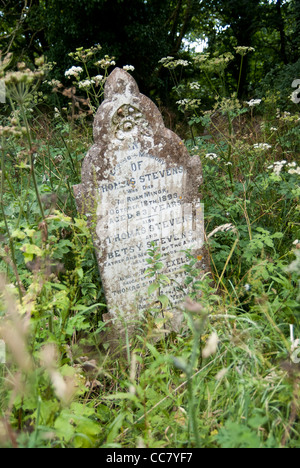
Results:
139 186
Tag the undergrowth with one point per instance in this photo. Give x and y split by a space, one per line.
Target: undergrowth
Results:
231 378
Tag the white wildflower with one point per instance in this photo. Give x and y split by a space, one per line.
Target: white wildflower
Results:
242 50
211 156
128 68
296 242
189 103
106 62
183 63
261 146
278 166
274 129
183 102
166 59
195 85
98 78
73 71
54 83
171 63
294 171
85 84
253 102
277 169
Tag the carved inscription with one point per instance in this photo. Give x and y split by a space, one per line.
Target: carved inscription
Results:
143 204
139 187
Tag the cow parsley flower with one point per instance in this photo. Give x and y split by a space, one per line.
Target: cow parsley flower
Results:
294 171
211 156
73 71
195 85
169 62
242 50
106 62
85 84
128 68
262 146
253 102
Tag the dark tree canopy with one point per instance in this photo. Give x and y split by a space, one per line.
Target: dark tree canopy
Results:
136 32
140 32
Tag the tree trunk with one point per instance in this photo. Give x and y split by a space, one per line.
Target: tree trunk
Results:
281 32
186 22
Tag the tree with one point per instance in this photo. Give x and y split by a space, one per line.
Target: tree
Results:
137 32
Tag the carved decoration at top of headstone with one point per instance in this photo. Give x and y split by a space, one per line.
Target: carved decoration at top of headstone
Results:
139 185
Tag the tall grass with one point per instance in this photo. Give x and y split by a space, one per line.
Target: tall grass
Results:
231 378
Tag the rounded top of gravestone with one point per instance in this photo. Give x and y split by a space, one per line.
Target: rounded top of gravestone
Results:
122 98
120 82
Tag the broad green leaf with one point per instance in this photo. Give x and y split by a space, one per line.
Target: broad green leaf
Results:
18 234
164 301
153 287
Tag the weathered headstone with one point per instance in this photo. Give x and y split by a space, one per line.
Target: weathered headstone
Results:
139 185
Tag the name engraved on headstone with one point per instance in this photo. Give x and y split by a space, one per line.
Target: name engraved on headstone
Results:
139 187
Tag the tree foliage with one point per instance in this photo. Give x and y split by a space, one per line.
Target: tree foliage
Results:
140 32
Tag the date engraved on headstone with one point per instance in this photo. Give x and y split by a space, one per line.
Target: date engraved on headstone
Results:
140 187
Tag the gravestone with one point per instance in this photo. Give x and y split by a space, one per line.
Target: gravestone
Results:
140 187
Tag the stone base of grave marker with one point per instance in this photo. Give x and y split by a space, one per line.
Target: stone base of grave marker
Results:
140 186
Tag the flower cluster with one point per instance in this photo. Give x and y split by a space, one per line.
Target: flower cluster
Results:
95 80
253 102
288 117
106 62
211 156
54 83
214 64
228 104
242 50
170 62
279 165
74 71
188 104
262 146
85 84
128 68
200 58
195 85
